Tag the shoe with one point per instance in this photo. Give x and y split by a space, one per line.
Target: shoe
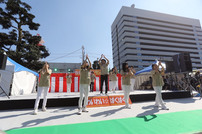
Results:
101 94
106 94
35 112
156 105
165 108
128 107
79 111
44 109
84 110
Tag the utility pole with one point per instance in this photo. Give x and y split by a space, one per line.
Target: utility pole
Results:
83 54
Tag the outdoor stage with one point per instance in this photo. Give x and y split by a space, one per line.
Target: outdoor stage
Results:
71 99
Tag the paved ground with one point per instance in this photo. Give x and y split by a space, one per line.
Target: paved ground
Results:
68 115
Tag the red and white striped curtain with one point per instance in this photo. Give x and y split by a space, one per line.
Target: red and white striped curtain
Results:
59 84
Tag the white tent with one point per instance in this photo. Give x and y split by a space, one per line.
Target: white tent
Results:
21 79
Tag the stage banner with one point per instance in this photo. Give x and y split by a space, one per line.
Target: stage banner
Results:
103 101
117 100
98 101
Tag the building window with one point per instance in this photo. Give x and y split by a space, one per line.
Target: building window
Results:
139 60
140 66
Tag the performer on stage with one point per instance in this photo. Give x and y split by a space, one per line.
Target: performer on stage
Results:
113 79
126 85
69 82
104 73
92 78
44 85
84 84
132 80
157 83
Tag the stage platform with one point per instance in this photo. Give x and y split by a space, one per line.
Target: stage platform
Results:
71 99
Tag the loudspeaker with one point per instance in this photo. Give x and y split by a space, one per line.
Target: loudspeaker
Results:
185 62
169 67
3 59
182 62
96 65
176 63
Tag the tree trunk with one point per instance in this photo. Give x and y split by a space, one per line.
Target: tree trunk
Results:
19 37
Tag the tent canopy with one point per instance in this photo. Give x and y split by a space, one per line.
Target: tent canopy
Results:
147 69
19 67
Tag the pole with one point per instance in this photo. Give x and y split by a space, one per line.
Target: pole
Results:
83 54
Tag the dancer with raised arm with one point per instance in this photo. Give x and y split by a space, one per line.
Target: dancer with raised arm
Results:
126 85
157 83
104 62
84 85
44 85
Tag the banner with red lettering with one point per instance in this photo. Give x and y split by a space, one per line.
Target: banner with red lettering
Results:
103 101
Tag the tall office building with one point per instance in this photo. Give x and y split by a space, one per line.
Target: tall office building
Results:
140 36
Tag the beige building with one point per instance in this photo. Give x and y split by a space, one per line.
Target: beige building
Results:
64 67
140 36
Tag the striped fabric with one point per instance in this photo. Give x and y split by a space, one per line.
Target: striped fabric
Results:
59 84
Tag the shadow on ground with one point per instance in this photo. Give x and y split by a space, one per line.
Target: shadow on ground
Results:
107 112
35 122
149 114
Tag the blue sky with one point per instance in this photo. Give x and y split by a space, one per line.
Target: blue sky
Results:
66 25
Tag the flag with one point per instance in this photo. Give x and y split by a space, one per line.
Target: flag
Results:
40 42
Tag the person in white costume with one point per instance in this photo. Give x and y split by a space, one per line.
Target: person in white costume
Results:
126 85
44 85
84 85
157 83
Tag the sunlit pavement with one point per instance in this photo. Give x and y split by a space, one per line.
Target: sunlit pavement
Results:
68 115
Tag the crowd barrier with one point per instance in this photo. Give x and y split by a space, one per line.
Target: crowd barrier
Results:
59 84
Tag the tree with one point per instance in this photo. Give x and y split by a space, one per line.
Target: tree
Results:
19 44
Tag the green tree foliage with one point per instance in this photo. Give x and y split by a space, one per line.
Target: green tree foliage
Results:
19 44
